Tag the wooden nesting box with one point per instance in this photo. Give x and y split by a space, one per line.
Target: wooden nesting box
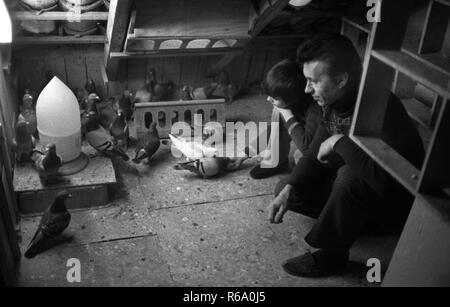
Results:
166 113
180 25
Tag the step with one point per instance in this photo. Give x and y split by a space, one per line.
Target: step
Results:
89 187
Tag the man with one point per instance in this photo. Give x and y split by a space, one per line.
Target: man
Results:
335 182
284 86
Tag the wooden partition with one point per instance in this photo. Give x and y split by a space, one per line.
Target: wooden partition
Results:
9 250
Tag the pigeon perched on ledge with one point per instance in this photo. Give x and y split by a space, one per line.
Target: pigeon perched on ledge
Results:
47 163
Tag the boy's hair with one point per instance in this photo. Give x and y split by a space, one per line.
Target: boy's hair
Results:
285 80
337 51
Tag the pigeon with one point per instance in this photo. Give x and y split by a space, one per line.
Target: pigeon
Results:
191 149
186 93
126 104
54 221
99 138
90 87
163 91
47 163
106 112
211 166
23 142
119 130
148 145
225 89
92 102
203 93
145 94
28 112
87 117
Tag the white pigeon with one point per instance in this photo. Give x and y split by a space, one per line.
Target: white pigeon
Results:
193 150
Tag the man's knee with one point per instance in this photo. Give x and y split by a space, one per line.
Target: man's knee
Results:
349 188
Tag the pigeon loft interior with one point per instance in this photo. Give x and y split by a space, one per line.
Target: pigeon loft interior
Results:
100 101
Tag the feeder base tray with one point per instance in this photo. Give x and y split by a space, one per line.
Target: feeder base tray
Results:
88 187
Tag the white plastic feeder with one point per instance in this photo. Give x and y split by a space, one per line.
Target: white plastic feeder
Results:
58 119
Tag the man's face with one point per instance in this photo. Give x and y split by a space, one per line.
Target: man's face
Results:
278 102
324 89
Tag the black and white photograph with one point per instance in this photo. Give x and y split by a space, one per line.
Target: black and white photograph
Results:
225 148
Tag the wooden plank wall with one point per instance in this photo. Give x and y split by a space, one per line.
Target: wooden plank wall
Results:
72 64
75 64
9 249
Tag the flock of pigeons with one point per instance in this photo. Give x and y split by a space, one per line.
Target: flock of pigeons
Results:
104 126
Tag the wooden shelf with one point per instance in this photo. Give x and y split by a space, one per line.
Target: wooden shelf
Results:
172 18
56 40
417 111
67 16
403 171
419 71
173 53
436 60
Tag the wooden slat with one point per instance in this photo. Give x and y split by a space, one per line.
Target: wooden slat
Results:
373 97
256 69
435 175
197 18
433 35
116 32
70 16
398 167
7 265
172 52
58 40
266 16
366 27
417 111
76 68
389 33
417 70
178 103
222 63
421 256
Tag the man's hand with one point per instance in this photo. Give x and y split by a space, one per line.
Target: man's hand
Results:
327 147
278 207
286 113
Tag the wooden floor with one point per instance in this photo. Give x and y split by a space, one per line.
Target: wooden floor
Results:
165 227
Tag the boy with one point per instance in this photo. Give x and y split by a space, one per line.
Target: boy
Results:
295 117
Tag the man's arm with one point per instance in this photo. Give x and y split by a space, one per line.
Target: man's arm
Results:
302 131
308 168
366 168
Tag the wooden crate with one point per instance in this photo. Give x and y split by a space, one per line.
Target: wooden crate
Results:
169 112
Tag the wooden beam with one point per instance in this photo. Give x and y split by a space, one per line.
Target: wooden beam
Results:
69 16
171 53
58 40
266 15
116 32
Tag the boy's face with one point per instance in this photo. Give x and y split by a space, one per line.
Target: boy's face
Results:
324 89
278 102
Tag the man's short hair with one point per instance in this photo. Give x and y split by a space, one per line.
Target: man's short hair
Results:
285 80
337 51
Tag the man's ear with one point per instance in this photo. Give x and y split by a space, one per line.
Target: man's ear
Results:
342 80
